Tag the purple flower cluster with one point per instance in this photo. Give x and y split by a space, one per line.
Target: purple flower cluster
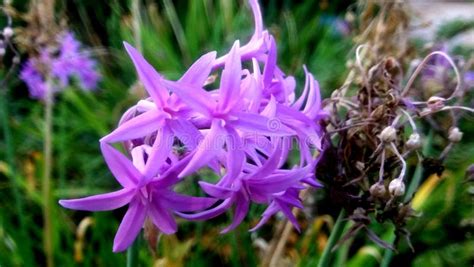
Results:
243 128
59 66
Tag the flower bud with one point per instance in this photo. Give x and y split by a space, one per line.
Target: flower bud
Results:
455 135
414 141
378 190
8 32
435 103
389 134
396 187
2 51
16 60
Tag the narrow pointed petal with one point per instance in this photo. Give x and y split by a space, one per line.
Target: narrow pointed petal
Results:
120 166
270 165
163 219
235 153
291 200
230 81
270 109
257 16
207 150
137 127
159 152
312 182
216 190
241 208
299 103
194 96
131 225
267 214
208 214
257 124
313 105
270 64
288 214
148 76
108 201
278 182
185 203
198 73
186 132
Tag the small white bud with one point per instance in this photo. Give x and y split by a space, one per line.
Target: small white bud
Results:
414 141
2 51
396 187
389 134
455 135
435 103
8 32
16 60
378 190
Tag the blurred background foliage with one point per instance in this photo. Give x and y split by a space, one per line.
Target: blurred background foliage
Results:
173 35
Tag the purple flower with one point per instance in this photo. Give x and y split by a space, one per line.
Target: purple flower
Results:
145 198
60 68
243 129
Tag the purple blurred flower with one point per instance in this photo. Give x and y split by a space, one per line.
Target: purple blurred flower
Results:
69 62
243 130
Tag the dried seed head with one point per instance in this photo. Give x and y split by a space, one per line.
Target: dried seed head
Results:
435 103
389 134
8 32
378 190
396 187
455 135
414 141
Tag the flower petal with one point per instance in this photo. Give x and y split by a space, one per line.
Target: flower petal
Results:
120 166
230 81
241 208
216 191
194 96
130 226
186 132
257 124
107 201
162 219
208 214
278 182
136 127
208 149
148 76
288 214
159 152
235 153
183 203
270 64
198 73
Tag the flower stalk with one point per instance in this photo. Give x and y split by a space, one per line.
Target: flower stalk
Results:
47 183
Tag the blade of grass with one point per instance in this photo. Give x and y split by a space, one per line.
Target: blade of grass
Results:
19 205
335 235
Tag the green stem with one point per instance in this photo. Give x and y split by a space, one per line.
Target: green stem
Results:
46 186
343 251
10 157
132 254
335 235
